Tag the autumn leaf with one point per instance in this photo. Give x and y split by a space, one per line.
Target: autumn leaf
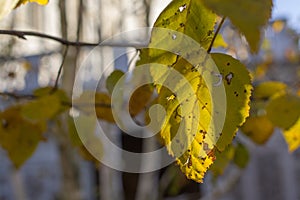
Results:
249 16
41 2
47 105
258 128
284 110
208 83
90 102
292 136
19 137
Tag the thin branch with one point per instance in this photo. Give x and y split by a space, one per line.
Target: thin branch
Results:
216 34
64 103
17 96
60 69
23 34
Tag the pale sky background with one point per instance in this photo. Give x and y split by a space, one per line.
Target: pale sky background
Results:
289 9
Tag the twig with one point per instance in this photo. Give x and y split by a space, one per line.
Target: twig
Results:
64 103
216 34
23 34
16 96
60 69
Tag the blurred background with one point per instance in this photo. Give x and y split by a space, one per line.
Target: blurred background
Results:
57 172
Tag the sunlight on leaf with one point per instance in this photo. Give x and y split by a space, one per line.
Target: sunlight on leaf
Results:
249 16
292 136
258 128
19 137
41 2
220 42
193 141
238 88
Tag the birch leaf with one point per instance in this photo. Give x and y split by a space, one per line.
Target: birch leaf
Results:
292 136
249 16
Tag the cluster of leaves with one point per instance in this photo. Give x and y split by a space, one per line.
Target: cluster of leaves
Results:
274 105
188 138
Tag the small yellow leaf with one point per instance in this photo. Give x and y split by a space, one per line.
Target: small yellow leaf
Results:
90 102
284 110
268 89
220 42
258 128
292 136
19 137
278 26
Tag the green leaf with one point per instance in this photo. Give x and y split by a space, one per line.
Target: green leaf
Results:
241 156
222 161
249 16
19 137
292 136
112 80
284 110
258 128
238 88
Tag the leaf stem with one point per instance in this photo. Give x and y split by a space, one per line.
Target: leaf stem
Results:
216 34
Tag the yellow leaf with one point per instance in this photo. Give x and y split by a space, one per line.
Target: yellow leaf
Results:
19 137
249 16
268 89
220 42
90 102
284 110
292 136
258 128
238 88
139 99
195 104
278 25
41 109
41 2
